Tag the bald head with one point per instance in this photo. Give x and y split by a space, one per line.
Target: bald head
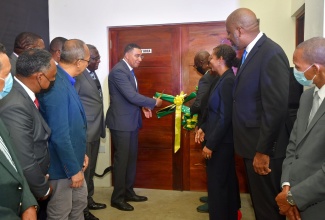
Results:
244 18
313 50
73 50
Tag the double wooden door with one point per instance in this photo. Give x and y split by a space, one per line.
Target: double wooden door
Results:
167 66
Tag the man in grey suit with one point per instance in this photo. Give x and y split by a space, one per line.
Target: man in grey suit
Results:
90 92
124 121
15 202
303 192
29 132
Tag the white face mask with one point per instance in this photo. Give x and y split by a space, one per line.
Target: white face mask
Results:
7 87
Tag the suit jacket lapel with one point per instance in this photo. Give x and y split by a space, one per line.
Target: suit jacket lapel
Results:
22 91
3 158
248 58
92 82
127 70
73 92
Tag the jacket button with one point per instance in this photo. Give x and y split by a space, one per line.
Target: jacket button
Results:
296 156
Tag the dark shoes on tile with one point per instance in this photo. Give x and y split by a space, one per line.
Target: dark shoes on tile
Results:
136 198
89 216
96 206
203 208
204 199
124 206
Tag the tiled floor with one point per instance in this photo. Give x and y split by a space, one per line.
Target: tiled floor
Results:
162 205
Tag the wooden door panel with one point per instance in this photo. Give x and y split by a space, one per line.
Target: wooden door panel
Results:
156 73
169 68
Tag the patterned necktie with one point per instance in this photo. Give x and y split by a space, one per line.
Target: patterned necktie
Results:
243 57
5 151
315 107
36 103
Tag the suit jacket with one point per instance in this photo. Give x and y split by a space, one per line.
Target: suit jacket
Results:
124 112
13 60
93 105
304 164
15 196
217 125
29 134
260 101
202 96
64 113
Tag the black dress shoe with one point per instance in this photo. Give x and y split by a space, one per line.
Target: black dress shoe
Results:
136 198
89 216
124 206
96 206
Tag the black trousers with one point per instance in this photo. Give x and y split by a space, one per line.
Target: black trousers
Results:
223 190
125 162
264 189
92 153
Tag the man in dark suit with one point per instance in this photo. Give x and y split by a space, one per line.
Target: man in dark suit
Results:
124 121
64 113
24 41
201 64
29 132
16 200
303 193
260 105
56 48
90 92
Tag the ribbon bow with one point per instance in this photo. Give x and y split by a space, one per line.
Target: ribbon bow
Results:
187 121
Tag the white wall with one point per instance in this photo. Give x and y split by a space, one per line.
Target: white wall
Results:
90 20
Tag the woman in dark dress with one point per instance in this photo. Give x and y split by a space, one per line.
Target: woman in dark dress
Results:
217 135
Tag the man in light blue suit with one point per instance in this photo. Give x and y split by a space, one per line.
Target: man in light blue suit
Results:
124 120
64 113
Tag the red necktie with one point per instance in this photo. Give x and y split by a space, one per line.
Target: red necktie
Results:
36 103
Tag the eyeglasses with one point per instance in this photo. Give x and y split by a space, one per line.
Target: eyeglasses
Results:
139 56
88 61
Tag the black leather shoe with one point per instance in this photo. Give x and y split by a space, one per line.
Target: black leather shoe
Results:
96 206
89 216
124 206
136 198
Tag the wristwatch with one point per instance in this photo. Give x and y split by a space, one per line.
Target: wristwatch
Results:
290 199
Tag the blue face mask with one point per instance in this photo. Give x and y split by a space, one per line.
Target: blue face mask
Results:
300 77
7 87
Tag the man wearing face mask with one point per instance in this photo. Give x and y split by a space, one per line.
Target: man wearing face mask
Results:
28 130
303 194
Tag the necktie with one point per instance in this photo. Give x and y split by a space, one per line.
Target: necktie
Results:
92 75
135 79
5 151
315 107
36 103
243 57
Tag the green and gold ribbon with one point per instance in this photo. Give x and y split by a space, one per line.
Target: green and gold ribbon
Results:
186 121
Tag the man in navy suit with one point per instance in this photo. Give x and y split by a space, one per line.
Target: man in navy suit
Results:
65 115
260 100
124 121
